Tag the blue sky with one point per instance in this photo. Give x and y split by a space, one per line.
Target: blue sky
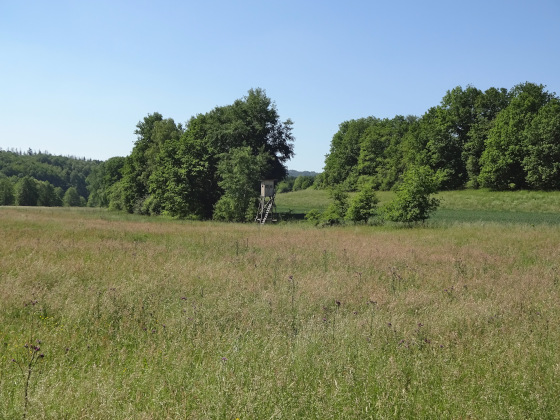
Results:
77 76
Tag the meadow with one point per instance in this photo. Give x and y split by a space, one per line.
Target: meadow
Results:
456 206
105 315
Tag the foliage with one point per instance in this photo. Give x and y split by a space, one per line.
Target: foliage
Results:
101 179
341 162
336 211
413 201
152 134
48 195
542 159
26 192
180 171
286 185
313 216
472 138
7 196
302 182
60 171
506 146
240 173
363 206
72 198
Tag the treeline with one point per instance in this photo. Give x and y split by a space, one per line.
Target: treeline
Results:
498 139
41 179
296 183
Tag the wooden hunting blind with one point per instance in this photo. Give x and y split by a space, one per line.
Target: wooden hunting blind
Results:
267 188
267 206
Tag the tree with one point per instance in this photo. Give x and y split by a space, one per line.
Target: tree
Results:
341 162
240 172
303 182
136 170
363 206
101 179
47 195
185 181
542 159
72 198
336 211
7 197
488 106
445 131
185 177
506 146
385 149
26 193
413 201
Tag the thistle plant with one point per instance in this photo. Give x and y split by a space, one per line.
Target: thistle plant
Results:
32 356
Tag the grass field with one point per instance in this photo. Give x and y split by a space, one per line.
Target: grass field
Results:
456 206
151 318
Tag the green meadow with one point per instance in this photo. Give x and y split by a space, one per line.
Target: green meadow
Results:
456 206
107 315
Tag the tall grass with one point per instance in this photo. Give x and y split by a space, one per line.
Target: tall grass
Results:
145 318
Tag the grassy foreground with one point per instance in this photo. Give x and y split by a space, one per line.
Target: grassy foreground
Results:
146 318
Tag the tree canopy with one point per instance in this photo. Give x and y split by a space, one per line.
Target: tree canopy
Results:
496 138
185 172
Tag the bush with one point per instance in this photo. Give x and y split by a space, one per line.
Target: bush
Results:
336 211
413 202
363 206
313 216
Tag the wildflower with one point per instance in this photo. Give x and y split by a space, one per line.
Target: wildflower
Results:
337 302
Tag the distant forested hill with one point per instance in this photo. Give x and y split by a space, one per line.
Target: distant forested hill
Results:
295 174
36 178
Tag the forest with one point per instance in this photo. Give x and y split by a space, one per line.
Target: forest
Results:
210 167
35 178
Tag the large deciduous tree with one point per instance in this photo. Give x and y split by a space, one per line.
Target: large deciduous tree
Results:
239 171
177 171
341 164
26 192
507 144
101 179
542 159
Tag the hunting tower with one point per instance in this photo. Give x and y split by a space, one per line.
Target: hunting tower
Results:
267 206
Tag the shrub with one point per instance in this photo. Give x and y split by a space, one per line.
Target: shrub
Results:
363 206
413 202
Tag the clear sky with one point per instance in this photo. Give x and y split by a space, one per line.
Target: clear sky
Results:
77 76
